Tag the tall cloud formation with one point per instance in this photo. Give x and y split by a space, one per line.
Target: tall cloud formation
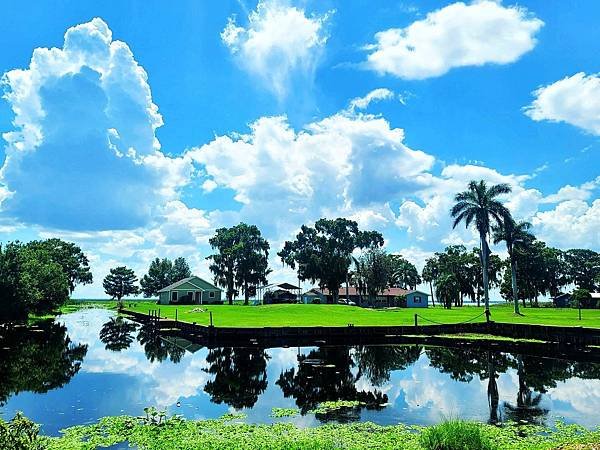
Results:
83 154
278 43
574 100
458 35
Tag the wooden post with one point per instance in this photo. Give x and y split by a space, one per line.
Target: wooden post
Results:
158 313
175 314
416 321
211 322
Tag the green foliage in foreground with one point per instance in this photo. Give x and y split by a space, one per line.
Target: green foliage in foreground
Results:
456 434
177 433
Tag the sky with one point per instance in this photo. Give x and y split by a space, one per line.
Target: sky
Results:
137 128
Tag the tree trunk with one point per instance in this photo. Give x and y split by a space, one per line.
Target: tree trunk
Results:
246 293
432 297
335 294
513 276
485 263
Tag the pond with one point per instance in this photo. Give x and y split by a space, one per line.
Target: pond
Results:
90 364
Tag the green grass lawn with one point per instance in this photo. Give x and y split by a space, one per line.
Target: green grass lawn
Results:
342 315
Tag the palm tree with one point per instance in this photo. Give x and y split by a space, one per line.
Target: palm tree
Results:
429 274
514 234
478 205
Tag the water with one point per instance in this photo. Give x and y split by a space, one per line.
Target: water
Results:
80 369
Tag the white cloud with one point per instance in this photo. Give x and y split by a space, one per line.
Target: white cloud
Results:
458 35
83 153
279 42
373 96
326 169
574 100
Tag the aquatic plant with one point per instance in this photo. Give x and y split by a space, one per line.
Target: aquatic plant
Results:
284 412
456 435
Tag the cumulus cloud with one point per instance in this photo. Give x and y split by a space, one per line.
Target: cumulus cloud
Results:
458 35
279 42
327 168
574 100
83 153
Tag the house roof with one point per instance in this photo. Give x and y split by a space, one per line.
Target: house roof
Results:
392 292
595 294
565 294
284 285
194 281
415 291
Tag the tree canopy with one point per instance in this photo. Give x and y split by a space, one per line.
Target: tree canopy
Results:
322 254
120 282
241 261
162 273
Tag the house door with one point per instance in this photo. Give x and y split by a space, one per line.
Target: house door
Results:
197 298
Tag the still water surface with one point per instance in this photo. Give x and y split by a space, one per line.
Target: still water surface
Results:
89 364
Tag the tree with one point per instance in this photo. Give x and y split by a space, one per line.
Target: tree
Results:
404 273
30 281
14 303
120 282
479 206
374 271
69 257
581 298
513 234
159 276
447 289
323 253
583 268
180 270
241 261
429 274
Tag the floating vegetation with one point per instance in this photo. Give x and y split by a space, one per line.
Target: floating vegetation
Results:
284 412
233 416
327 407
177 433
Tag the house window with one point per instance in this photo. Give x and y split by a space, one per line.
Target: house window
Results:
417 299
211 294
174 296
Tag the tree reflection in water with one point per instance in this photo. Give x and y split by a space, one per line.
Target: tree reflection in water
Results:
156 347
377 362
240 375
117 334
325 375
37 358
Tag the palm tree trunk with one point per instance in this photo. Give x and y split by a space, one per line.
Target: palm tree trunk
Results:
513 276
432 297
484 263
246 296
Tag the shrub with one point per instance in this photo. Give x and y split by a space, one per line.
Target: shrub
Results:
456 435
316 301
20 433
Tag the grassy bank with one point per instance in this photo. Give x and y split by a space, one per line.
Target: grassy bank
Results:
156 433
341 315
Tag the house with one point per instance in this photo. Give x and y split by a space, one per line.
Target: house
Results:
278 293
417 299
562 301
389 297
314 295
191 290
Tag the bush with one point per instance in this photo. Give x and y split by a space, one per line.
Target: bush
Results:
456 435
316 301
20 434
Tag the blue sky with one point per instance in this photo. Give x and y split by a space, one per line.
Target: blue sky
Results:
148 125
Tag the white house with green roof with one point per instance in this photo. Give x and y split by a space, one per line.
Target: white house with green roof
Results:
191 290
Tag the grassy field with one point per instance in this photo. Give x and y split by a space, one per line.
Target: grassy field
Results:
341 315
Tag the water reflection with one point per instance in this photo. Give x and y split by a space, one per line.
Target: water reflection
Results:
117 334
325 374
239 375
37 358
95 364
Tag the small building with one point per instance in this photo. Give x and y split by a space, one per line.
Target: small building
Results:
562 300
417 299
314 295
191 290
278 293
